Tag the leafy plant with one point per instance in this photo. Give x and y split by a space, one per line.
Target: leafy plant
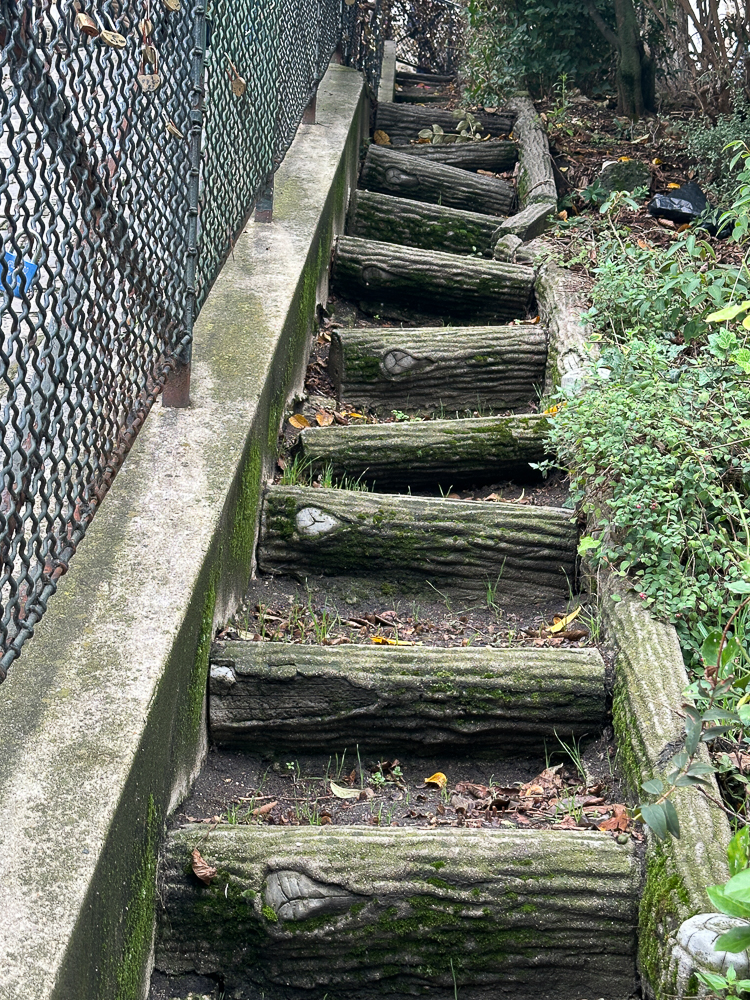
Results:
729 985
467 130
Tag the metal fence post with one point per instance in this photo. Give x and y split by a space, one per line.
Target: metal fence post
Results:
176 390
308 115
264 203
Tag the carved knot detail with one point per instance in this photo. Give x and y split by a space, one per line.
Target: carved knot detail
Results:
398 362
312 521
296 897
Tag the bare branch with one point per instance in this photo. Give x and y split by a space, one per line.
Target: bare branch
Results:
603 27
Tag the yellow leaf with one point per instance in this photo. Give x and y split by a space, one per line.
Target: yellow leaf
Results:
324 419
562 623
353 413
382 640
298 421
656 161
624 159
644 245
438 778
344 793
746 322
673 186
563 215
381 138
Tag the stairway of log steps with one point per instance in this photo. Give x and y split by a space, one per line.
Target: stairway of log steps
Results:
439 901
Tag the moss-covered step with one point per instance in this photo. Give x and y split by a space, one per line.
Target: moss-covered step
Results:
410 78
529 553
392 172
496 155
425 454
286 696
360 912
431 281
429 368
419 95
402 124
389 219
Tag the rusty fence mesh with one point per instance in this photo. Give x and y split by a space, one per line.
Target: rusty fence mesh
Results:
135 136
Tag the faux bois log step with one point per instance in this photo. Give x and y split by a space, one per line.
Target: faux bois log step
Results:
427 454
432 282
389 219
274 695
424 369
404 77
418 95
365 912
402 124
414 542
497 155
391 172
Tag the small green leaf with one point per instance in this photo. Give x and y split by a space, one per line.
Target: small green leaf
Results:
727 313
587 543
710 647
725 904
654 818
673 823
653 787
739 587
738 939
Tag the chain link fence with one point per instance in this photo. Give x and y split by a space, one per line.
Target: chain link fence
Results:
135 136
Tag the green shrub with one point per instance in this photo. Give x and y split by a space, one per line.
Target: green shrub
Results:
531 44
706 144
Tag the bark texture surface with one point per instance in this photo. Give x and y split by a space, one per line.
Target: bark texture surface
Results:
497 155
431 281
422 369
366 912
423 454
457 545
389 219
284 695
416 177
403 123
536 182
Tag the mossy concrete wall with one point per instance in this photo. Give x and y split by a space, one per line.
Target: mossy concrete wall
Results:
101 719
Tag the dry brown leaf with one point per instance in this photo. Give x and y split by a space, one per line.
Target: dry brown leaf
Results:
298 421
324 419
344 793
201 869
381 138
620 820
264 810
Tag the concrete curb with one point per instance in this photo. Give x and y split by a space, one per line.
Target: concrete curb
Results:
102 720
650 677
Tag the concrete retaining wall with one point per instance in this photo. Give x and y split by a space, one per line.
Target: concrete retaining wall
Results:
102 718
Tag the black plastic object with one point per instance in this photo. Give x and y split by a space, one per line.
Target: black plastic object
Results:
685 204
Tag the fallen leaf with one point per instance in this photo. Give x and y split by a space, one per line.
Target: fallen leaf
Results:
381 138
574 634
620 820
624 159
325 819
382 640
298 421
324 419
656 161
344 793
563 215
535 320
469 788
673 186
353 413
562 623
568 823
438 778
264 810
365 794
202 870
684 227
644 245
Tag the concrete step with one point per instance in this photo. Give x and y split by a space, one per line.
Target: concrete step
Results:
424 369
355 912
410 543
423 455
509 701
402 122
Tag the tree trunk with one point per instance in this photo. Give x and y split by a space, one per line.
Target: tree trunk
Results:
498 155
403 124
632 66
282 696
424 370
416 177
409 223
367 912
458 546
426 454
441 284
